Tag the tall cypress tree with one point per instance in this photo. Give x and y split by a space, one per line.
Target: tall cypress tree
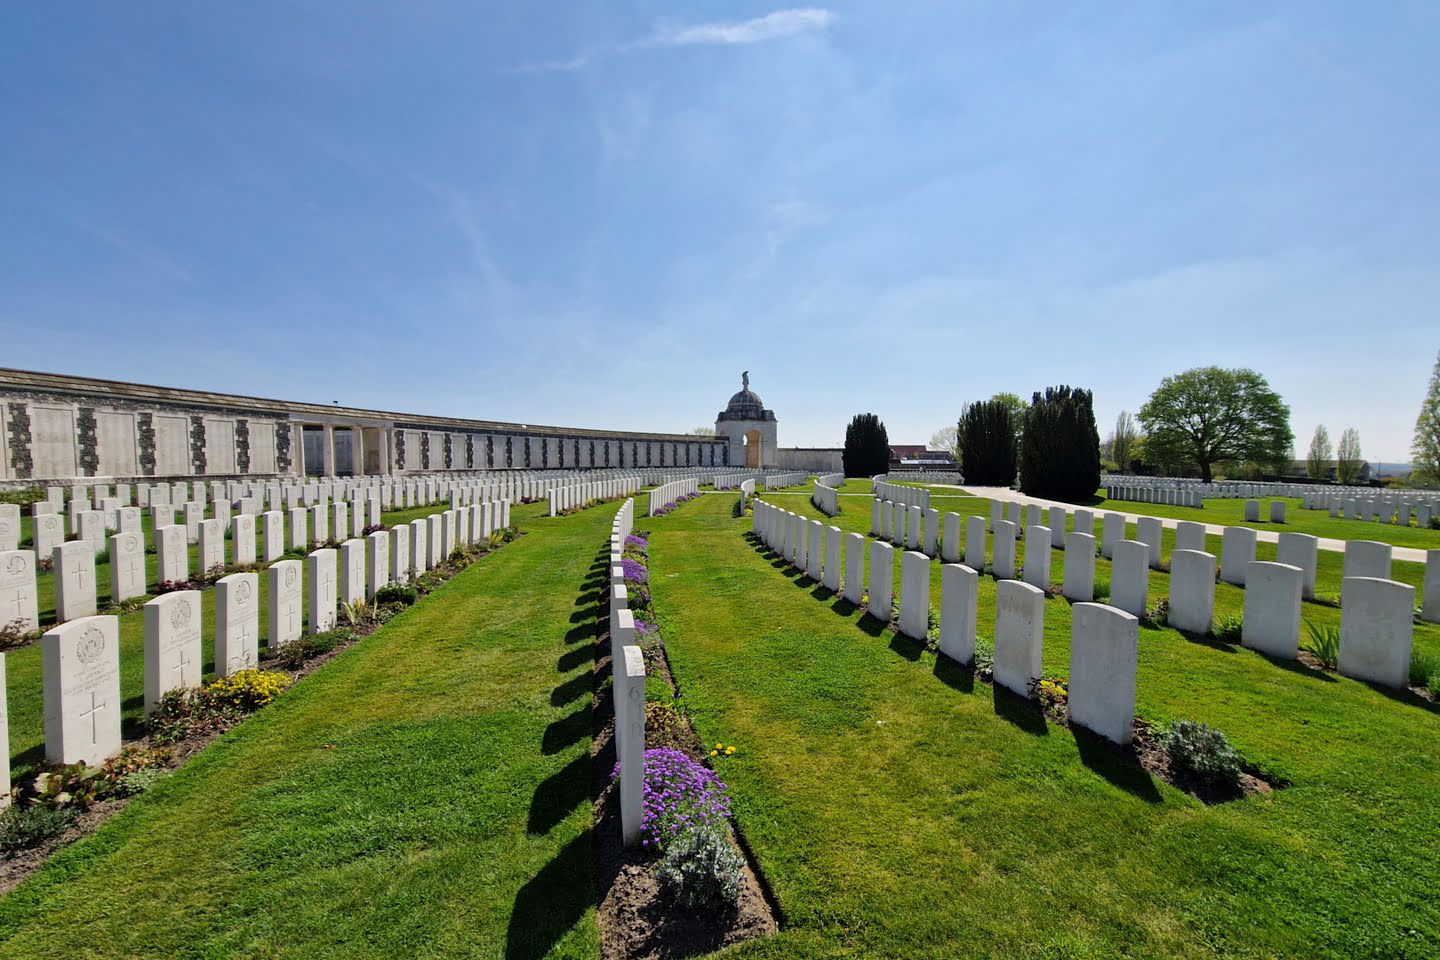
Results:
987 443
867 446
1060 453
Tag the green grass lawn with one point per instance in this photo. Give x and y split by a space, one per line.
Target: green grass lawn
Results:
426 794
25 677
900 810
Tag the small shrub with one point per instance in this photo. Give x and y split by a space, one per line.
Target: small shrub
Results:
1158 613
357 612
1203 751
249 690
68 785
1424 668
701 869
186 713
23 497
984 653
1102 589
1227 629
24 827
397 593
130 784
1322 643
297 653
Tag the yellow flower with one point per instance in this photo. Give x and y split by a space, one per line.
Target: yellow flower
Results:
714 752
719 746
729 750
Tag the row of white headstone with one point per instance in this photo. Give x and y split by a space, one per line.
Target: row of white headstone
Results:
732 481
666 494
1156 489
1104 640
1389 508
566 496
951 477
628 665
825 497
1377 631
73 561
900 493
774 481
81 657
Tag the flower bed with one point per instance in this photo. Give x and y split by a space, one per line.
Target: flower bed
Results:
687 888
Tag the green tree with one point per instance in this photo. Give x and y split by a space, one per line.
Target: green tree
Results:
1209 415
1425 450
1017 412
867 446
1122 441
1348 458
1060 452
987 443
1317 461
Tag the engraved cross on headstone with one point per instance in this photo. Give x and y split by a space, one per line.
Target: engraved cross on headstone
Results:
95 708
181 663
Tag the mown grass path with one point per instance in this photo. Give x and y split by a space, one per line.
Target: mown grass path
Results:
425 794
899 809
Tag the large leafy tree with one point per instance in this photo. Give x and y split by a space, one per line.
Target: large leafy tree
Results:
1317 461
987 443
1425 450
1060 452
948 439
1210 415
1348 458
867 446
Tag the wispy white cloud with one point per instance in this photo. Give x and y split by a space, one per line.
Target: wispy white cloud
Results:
781 23
772 26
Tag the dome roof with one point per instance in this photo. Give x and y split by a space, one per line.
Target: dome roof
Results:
746 405
745 400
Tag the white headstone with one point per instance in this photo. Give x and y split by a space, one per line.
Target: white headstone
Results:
1190 535
74 563
127 566
975 543
352 571
882 580
400 568
82 690
1037 556
1079 567
1430 593
49 533
1003 551
1130 576
212 546
1104 654
1112 529
1376 630
1148 530
19 606
1300 550
1272 609
1192 591
323 594
1367 558
959 604
419 546
285 580
173 660
1019 635
237 623
377 561
915 594
854 567
1237 551
832 559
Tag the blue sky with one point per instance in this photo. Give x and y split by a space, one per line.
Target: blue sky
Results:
598 214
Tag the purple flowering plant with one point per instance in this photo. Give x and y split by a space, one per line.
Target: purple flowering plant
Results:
680 794
634 571
645 627
636 543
